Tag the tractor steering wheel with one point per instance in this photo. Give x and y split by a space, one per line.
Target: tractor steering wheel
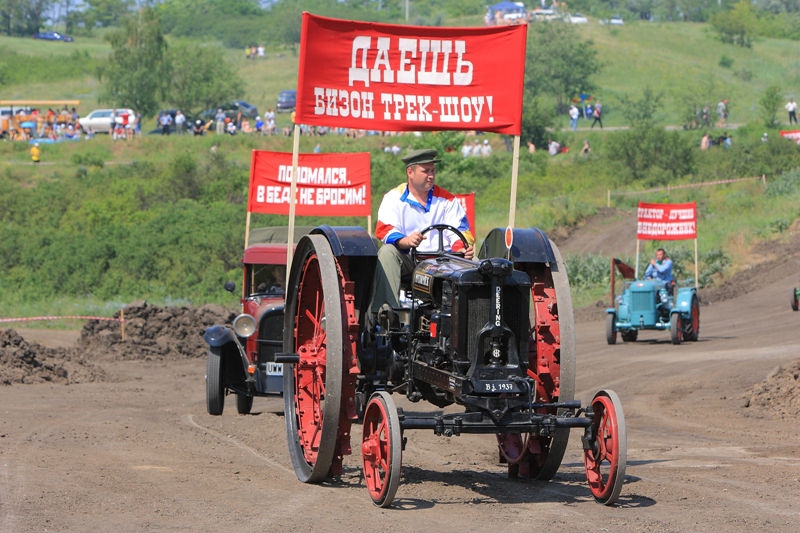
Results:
441 228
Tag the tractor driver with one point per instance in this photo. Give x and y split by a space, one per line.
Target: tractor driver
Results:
660 268
404 212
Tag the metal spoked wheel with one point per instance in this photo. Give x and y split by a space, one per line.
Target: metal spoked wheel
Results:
317 388
691 328
676 328
611 330
606 458
381 448
553 333
215 390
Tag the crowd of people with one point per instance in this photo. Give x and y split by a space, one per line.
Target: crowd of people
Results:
29 124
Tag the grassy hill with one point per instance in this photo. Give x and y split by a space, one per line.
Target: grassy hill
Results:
93 210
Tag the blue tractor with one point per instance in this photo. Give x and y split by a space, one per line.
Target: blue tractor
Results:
651 304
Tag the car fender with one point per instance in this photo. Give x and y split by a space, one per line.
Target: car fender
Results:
218 336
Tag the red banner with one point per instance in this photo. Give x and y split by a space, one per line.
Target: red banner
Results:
334 184
791 134
666 222
467 201
389 77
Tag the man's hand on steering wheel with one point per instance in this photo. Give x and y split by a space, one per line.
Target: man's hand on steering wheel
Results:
467 250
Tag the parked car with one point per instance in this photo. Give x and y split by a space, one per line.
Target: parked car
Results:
53 36
231 110
577 18
287 101
99 120
615 20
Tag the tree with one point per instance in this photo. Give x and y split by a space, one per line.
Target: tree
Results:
770 104
738 26
199 77
108 13
134 74
22 17
559 63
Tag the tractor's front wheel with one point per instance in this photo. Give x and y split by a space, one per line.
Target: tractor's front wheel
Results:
676 328
611 328
606 456
381 448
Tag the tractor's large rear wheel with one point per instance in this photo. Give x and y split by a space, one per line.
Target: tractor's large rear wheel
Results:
607 456
551 362
381 448
319 386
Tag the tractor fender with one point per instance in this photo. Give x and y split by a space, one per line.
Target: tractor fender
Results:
348 240
530 245
683 301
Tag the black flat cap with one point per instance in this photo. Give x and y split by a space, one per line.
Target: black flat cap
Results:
418 157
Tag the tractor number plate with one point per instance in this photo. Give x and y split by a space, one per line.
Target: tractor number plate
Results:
498 386
274 369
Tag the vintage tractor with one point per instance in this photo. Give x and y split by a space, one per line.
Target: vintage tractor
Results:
241 355
651 304
494 335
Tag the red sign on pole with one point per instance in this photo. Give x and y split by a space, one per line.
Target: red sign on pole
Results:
666 222
467 201
334 184
389 77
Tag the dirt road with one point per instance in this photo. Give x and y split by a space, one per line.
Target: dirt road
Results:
135 450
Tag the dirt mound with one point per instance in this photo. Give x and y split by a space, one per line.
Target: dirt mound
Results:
153 332
24 362
779 393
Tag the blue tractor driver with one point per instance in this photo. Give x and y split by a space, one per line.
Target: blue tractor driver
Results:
660 268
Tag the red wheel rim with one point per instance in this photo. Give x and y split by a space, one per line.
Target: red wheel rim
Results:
381 449
605 460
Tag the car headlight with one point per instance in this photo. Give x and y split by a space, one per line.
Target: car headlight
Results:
244 325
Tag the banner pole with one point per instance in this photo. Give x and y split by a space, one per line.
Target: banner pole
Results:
637 258
292 199
247 230
514 172
696 270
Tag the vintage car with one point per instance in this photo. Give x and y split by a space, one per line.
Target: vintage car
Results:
241 355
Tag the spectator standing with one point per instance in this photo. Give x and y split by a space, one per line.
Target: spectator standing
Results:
35 153
597 114
587 111
219 118
791 107
705 142
165 120
180 122
486 149
466 149
573 117
722 113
